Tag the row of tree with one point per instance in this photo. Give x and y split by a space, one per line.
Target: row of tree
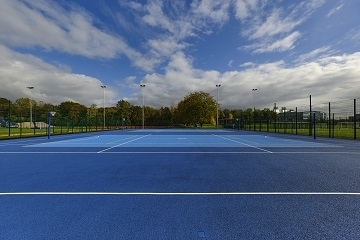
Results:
196 108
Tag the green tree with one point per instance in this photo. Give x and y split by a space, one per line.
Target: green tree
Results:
124 110
196 108
136 115
72 111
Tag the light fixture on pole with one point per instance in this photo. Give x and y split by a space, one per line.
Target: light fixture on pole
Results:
217 105
254 89
50 115
31 122
103 87
143 113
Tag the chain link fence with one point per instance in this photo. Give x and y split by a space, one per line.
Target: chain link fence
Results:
15 123
339 119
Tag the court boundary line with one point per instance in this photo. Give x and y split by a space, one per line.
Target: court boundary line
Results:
180 193
162 152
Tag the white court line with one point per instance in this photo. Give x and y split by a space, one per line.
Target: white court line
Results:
64 141
34 139
130 137
123 143
178 193
242 143
126 152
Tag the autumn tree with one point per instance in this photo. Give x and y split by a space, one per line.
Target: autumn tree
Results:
124 110
196 108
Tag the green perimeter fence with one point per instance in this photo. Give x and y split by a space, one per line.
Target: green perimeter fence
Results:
333 119
19 124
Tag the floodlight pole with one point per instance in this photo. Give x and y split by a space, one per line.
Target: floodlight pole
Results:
254 89
143 113
217 105
103 87
30 88
50 115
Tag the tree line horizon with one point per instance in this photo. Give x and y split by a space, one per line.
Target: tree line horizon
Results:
196 108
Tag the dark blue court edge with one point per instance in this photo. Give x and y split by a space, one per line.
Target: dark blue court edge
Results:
179 217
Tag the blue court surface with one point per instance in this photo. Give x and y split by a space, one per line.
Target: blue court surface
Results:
179 184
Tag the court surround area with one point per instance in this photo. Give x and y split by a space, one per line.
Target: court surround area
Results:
179 184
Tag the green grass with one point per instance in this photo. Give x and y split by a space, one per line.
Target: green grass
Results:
345 133
26 132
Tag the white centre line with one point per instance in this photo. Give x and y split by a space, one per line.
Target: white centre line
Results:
242 143
123 143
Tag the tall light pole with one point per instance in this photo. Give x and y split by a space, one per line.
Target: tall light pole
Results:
103 87
143 113
31 122
254 89
217 105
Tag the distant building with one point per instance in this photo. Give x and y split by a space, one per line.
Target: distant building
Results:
357 118
302 116
2 122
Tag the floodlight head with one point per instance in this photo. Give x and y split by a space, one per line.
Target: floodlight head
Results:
52 113
142 85
103 86
218 85
30 88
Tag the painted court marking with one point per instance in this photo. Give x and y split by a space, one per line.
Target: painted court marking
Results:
124 143
184 152
242 143
178 193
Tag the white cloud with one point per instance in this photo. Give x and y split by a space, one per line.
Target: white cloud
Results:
273 25
247 64
52 84
213 10
334 10
280 45
269 30
244 8
48 25
275 82
314 54
165 47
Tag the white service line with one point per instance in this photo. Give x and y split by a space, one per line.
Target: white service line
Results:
123 143
131 136
243 143
179 193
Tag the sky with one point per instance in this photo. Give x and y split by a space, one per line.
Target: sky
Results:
287 50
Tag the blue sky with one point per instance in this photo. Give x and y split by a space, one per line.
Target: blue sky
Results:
286 49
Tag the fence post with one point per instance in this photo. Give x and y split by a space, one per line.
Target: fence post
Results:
310 119
314 125
329 124
296 121
354 118
333 125
275 122
9 119
20 125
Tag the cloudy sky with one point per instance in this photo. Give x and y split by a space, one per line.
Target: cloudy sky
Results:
287 50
